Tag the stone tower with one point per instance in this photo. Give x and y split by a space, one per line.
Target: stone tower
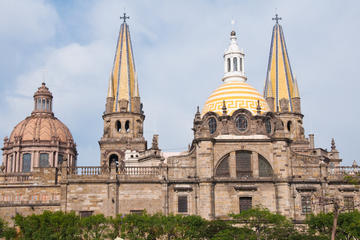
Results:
123 116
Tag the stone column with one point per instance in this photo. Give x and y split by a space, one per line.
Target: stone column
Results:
232 164
206 200
283 195
255 164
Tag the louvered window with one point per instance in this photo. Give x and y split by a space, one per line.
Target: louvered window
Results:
245 203
223 168
243 164
306 204
349 203
265 169
182 204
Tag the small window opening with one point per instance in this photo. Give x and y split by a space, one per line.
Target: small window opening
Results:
245 203
113 158
39 104
235 64
182 204
212 125
241 64
43 104
289 125
47 105
228 65
86 213
127 126
118 126
306 204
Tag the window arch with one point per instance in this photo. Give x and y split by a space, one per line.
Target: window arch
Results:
235 63
289 126
228 65
265 169
222 169
118 126
241 64
127 126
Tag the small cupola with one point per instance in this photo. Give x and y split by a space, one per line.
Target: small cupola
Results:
43 101
234 61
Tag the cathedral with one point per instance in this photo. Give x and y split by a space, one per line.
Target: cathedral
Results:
248 149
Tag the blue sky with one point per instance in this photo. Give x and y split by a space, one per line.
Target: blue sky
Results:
178 52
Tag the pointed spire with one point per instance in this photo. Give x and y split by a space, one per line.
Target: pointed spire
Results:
123 83
280 82
333 147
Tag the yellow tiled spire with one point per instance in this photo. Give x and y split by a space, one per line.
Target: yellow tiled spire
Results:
280 82
123 79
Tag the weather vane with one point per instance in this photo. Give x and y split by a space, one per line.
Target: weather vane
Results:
124 17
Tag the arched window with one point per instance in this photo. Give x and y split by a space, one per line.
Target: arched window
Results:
228 65
289 125
235 63
113 159
243 164
43 104
241 123
127 126
26 162
265 169
268 126
47 105
223 168
44 160
38 104
212 125
241 64
118 126
60 159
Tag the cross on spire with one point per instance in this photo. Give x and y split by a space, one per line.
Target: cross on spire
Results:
276 18
124 17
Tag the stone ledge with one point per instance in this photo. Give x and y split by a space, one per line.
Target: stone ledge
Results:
245 188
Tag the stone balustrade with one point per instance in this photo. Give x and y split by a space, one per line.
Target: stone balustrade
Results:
139 171
15 177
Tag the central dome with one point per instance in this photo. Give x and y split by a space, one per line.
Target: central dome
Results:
236 95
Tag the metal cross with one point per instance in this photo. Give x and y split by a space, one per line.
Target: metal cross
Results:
276 18
124 17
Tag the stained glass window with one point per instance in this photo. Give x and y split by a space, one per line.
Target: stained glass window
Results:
306 204
26 164
265 169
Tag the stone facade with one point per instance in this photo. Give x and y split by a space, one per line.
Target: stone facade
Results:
235 161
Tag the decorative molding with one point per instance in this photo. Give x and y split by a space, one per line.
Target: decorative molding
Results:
306 189
182 188
348 189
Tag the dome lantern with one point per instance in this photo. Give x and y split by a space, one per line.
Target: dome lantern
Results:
234 61
43 100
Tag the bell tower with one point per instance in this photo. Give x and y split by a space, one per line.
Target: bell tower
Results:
123 116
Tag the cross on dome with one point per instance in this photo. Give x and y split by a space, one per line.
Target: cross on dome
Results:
277 18
124 17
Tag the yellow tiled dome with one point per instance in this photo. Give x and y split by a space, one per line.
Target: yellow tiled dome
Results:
236 95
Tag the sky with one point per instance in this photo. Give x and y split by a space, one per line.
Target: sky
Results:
178 48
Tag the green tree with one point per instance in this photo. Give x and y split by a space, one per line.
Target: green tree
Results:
49 225
6 232
94 227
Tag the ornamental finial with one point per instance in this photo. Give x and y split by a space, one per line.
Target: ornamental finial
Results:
277 18
124 17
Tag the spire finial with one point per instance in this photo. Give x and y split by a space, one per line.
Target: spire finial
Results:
333 147
124 17
277 18
258 108
224 109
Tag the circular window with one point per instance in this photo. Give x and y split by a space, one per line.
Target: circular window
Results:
212 125
268 126
241 123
